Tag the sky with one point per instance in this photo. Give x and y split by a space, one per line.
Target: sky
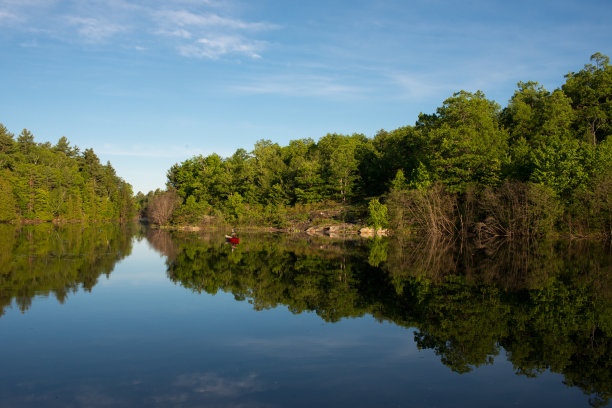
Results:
148 84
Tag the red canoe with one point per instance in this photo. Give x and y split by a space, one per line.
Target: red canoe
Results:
232 240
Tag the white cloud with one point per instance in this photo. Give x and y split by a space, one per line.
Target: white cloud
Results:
180 33
302 85
93 29
186 18
211 35
7 17
214 47
29 44
12 11
416 86
194 28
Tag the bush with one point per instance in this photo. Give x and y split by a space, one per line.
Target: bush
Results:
377 214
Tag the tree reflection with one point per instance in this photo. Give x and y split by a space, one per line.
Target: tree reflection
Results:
547 304
59 260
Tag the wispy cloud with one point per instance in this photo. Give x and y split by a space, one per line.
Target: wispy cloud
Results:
414 86
194 28
209 35
214 47
208 389
29 44
6 15
180 33
211 383
302 85
186 18
19 11
94 29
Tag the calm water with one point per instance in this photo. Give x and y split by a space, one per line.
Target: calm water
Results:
105 315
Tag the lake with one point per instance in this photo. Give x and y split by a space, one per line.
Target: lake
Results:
109 315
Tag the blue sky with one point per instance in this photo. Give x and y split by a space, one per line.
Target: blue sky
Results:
151 83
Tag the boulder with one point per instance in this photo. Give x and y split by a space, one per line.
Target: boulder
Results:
314 230
382 232
332 229
367 232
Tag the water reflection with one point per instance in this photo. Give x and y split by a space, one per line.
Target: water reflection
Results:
58 260
547 304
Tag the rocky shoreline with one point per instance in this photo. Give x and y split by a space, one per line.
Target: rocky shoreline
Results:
332 231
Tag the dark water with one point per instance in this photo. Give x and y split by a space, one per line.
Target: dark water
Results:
105 315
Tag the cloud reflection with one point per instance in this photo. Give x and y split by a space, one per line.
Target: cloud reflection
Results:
212 389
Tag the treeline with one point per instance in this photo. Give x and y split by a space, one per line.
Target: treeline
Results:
542 163
44 182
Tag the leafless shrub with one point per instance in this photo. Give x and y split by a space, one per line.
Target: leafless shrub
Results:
516 210
160 208
432 210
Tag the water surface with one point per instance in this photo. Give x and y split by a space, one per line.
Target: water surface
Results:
106 315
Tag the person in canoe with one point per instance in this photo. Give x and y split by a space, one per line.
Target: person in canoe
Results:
232 238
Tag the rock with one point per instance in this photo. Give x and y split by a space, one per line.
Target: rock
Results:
333 231
370 232
367 232
382 232
314 230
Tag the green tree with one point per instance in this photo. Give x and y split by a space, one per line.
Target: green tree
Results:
466 142
235 207
269 171
399 182
303 173
63 146
8 210
377 214
538 121
340 165
7 140
421 178
400 149
590 90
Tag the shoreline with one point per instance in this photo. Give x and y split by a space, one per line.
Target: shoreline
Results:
326 230
332 231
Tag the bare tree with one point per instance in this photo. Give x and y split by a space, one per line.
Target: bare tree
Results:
160 208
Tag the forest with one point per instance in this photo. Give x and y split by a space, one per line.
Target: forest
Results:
44 182
541 165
